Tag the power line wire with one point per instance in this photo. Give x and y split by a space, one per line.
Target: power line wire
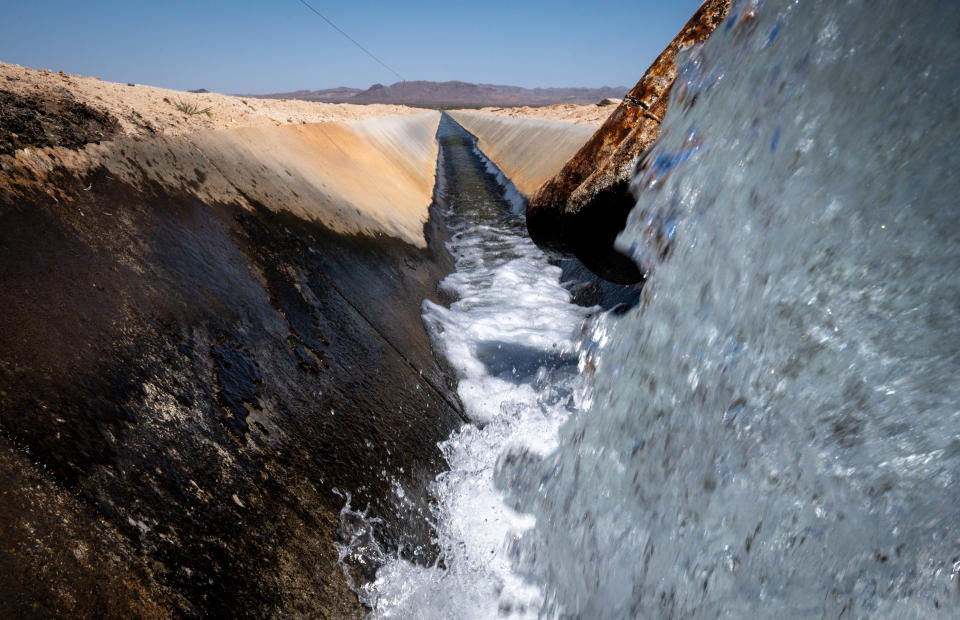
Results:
352 40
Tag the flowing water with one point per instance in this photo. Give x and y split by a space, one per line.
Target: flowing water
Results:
511 338
775 430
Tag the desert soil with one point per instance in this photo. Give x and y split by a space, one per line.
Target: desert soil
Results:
147 110
593 114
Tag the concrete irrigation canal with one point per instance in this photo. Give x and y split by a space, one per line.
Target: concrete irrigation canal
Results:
359 361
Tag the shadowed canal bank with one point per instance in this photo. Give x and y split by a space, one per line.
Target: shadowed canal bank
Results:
189 386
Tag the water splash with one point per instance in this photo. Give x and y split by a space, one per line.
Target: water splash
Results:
359 553
776 429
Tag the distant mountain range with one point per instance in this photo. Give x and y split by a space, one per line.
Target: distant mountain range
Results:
453 94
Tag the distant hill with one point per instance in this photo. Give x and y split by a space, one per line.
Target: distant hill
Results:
329 95
454 94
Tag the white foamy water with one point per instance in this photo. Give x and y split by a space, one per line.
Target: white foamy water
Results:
511 338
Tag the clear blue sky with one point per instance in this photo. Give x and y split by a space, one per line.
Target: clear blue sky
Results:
249 46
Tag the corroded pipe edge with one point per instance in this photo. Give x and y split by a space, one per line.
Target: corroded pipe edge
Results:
581 210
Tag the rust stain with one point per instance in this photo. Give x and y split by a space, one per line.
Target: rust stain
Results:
582 208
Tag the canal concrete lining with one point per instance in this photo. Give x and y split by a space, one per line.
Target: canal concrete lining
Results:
371 176
528 151
208 340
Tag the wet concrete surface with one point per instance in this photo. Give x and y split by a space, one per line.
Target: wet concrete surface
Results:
195 387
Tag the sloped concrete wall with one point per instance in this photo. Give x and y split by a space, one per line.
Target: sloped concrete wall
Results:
528 151
371 176
206 342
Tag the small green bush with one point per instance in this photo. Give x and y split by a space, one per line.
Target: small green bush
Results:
191 109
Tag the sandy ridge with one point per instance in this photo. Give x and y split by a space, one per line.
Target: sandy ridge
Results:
593 114
148 110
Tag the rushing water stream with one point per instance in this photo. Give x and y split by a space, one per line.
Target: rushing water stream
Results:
511 338
776 429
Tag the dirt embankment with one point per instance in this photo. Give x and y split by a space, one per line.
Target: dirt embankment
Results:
210 336
142 110
594 114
